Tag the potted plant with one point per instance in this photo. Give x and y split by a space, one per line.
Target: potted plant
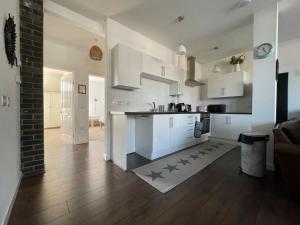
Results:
236 61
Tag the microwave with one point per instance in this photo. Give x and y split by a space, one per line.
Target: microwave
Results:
217 108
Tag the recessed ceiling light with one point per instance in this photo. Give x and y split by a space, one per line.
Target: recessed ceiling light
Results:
243 3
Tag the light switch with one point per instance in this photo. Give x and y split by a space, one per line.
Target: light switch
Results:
7 101
2 100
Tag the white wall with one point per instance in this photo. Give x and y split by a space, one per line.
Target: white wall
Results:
264 77
236 104
289 60
64 56
97 97
52 81
137 100
9 119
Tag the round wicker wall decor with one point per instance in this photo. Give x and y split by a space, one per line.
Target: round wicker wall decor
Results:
96 53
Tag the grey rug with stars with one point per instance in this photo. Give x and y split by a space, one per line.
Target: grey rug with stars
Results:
166 173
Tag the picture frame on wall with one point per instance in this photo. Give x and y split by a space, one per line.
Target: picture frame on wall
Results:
81 89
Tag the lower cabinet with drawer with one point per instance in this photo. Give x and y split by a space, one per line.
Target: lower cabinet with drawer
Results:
229 126
160 135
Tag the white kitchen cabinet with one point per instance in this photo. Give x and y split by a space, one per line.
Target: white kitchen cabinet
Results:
176 88
155 67
171 72
152 65
226 85
126 67
229 126
160 135
123 138
153 133
215 87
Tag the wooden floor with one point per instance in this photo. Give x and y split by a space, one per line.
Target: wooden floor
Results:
80 188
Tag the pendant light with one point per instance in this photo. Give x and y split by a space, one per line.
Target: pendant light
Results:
243 3
181 50
216 69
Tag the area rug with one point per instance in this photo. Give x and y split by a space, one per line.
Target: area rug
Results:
166 173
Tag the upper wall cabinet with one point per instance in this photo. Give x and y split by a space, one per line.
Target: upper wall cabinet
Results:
126 67
155 67
226 85
176 88
152 66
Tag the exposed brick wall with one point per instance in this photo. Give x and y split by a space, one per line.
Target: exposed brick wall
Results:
31 93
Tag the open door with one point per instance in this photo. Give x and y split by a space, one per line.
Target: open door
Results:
67 101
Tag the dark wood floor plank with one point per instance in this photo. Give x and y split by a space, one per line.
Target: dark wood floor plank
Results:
161 203
275 208
246 205
80 188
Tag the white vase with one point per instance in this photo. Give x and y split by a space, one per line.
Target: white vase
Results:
237 68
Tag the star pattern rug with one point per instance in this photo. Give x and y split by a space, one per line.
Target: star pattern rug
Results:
166 173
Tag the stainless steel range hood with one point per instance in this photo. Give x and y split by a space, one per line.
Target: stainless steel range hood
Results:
191 73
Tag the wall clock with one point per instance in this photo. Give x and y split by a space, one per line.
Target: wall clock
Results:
10 37
263 51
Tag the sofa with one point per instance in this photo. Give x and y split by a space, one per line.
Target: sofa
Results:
287 155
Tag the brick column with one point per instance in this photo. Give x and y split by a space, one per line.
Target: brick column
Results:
31 93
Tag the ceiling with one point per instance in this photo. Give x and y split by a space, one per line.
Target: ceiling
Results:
207 23
59 28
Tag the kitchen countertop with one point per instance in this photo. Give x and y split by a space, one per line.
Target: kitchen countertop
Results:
155 113
158 113
241 113
149 113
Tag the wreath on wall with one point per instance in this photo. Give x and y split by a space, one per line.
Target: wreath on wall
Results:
10 37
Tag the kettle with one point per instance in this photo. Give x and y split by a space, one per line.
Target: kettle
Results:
181 107
171 107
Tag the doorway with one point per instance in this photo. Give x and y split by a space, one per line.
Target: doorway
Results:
96 107
282 97
58 107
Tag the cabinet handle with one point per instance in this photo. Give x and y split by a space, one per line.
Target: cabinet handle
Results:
222 91
228 120
170 122
163 71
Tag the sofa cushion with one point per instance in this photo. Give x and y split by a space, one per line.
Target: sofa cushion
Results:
292 130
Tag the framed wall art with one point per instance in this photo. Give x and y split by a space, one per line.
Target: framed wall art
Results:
81 89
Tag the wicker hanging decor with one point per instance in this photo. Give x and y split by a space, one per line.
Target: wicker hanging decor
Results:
96 53
10 37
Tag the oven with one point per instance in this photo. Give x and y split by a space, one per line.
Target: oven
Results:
205 119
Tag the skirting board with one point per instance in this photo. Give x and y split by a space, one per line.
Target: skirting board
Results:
12 202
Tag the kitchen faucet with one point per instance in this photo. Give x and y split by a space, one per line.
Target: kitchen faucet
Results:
153 106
